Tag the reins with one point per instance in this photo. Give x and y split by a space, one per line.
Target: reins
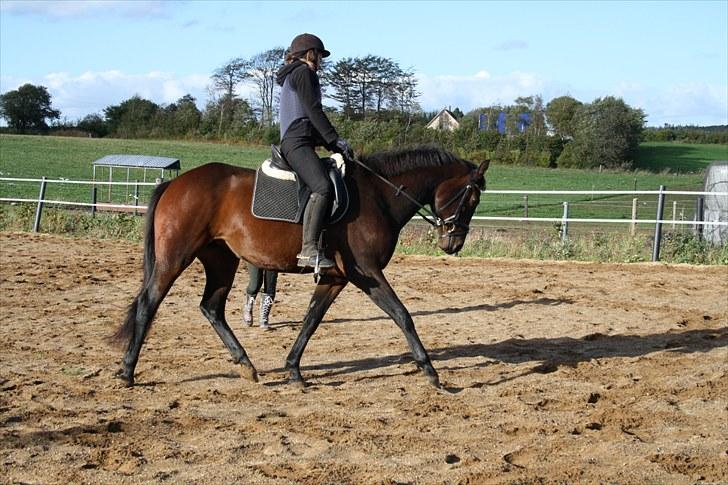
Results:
431 217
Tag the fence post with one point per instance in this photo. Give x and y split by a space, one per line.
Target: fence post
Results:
39 209
136 197
565 223
699 217
658 224
633 226
674 213
525 206
94 196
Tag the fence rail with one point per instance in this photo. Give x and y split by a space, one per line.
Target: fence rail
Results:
564 220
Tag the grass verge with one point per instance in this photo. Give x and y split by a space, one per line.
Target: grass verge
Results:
678 246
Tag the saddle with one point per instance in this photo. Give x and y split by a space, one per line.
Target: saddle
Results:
279 195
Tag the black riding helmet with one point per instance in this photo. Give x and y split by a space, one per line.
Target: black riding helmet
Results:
304 42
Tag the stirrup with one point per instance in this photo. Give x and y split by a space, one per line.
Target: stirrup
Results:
317 262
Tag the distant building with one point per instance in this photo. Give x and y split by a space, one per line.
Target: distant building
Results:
499 122
444 120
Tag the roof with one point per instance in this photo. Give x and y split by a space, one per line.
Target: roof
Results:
450 123
138 161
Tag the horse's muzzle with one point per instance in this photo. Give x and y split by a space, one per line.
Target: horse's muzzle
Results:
452 237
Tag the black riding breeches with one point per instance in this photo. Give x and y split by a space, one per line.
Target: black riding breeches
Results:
301 156
258 277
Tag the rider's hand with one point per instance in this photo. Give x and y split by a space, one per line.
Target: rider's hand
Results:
342 146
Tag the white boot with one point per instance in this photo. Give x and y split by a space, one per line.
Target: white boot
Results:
248 310
266 303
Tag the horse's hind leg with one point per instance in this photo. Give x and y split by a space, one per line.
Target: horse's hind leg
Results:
140 315
325 293
220 267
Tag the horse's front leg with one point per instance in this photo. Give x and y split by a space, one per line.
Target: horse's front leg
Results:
325 293
378 289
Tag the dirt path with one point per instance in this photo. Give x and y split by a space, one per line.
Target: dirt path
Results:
553 373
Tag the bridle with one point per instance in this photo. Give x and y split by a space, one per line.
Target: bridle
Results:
450 223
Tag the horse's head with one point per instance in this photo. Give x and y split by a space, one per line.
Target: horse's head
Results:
455 203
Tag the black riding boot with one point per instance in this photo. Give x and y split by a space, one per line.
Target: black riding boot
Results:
314 218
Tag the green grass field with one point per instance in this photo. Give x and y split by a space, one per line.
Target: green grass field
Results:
679 157
71 158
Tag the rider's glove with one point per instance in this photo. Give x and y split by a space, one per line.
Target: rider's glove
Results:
342 146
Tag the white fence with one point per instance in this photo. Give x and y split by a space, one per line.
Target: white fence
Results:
564 220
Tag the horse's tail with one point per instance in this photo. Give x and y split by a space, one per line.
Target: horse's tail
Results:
126 331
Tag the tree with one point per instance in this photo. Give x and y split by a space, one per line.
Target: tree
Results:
133 118
28 108
263 70
185 116
239 119
560 114
340 77
371 84
403 93
606 132
94 125
226 79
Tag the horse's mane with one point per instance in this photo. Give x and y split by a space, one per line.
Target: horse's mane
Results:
395 162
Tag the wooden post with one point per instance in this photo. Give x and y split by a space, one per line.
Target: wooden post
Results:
39 208
633 226
658 224
674 213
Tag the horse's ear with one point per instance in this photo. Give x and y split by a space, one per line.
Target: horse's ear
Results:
483 167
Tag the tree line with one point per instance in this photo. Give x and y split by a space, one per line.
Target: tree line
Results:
377 108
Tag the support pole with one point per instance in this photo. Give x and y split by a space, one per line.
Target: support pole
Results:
39 209
658 224
136 197
699 217
565 223
94 195
633 226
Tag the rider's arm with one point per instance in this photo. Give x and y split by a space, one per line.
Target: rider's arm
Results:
306 84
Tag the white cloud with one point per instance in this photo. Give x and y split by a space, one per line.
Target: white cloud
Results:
695 103
478 90
87 8
91 92
681 104
684 104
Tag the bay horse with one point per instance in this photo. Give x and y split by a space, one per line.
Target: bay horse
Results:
205 213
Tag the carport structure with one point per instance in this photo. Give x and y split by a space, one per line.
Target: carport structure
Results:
157 166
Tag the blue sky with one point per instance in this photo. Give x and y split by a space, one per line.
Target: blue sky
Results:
669 58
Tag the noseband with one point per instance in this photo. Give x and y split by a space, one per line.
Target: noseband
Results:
450 223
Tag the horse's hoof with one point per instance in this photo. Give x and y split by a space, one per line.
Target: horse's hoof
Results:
298 383
123 376
249 373
435 381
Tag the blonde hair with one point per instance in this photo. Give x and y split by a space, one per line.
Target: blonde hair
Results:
311 57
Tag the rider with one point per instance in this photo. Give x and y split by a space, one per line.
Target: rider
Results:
304 126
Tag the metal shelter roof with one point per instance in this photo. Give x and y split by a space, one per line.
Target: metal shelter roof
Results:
139 161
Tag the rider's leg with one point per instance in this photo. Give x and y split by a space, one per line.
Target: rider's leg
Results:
303 159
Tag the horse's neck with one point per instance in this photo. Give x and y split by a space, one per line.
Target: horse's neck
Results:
419 186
